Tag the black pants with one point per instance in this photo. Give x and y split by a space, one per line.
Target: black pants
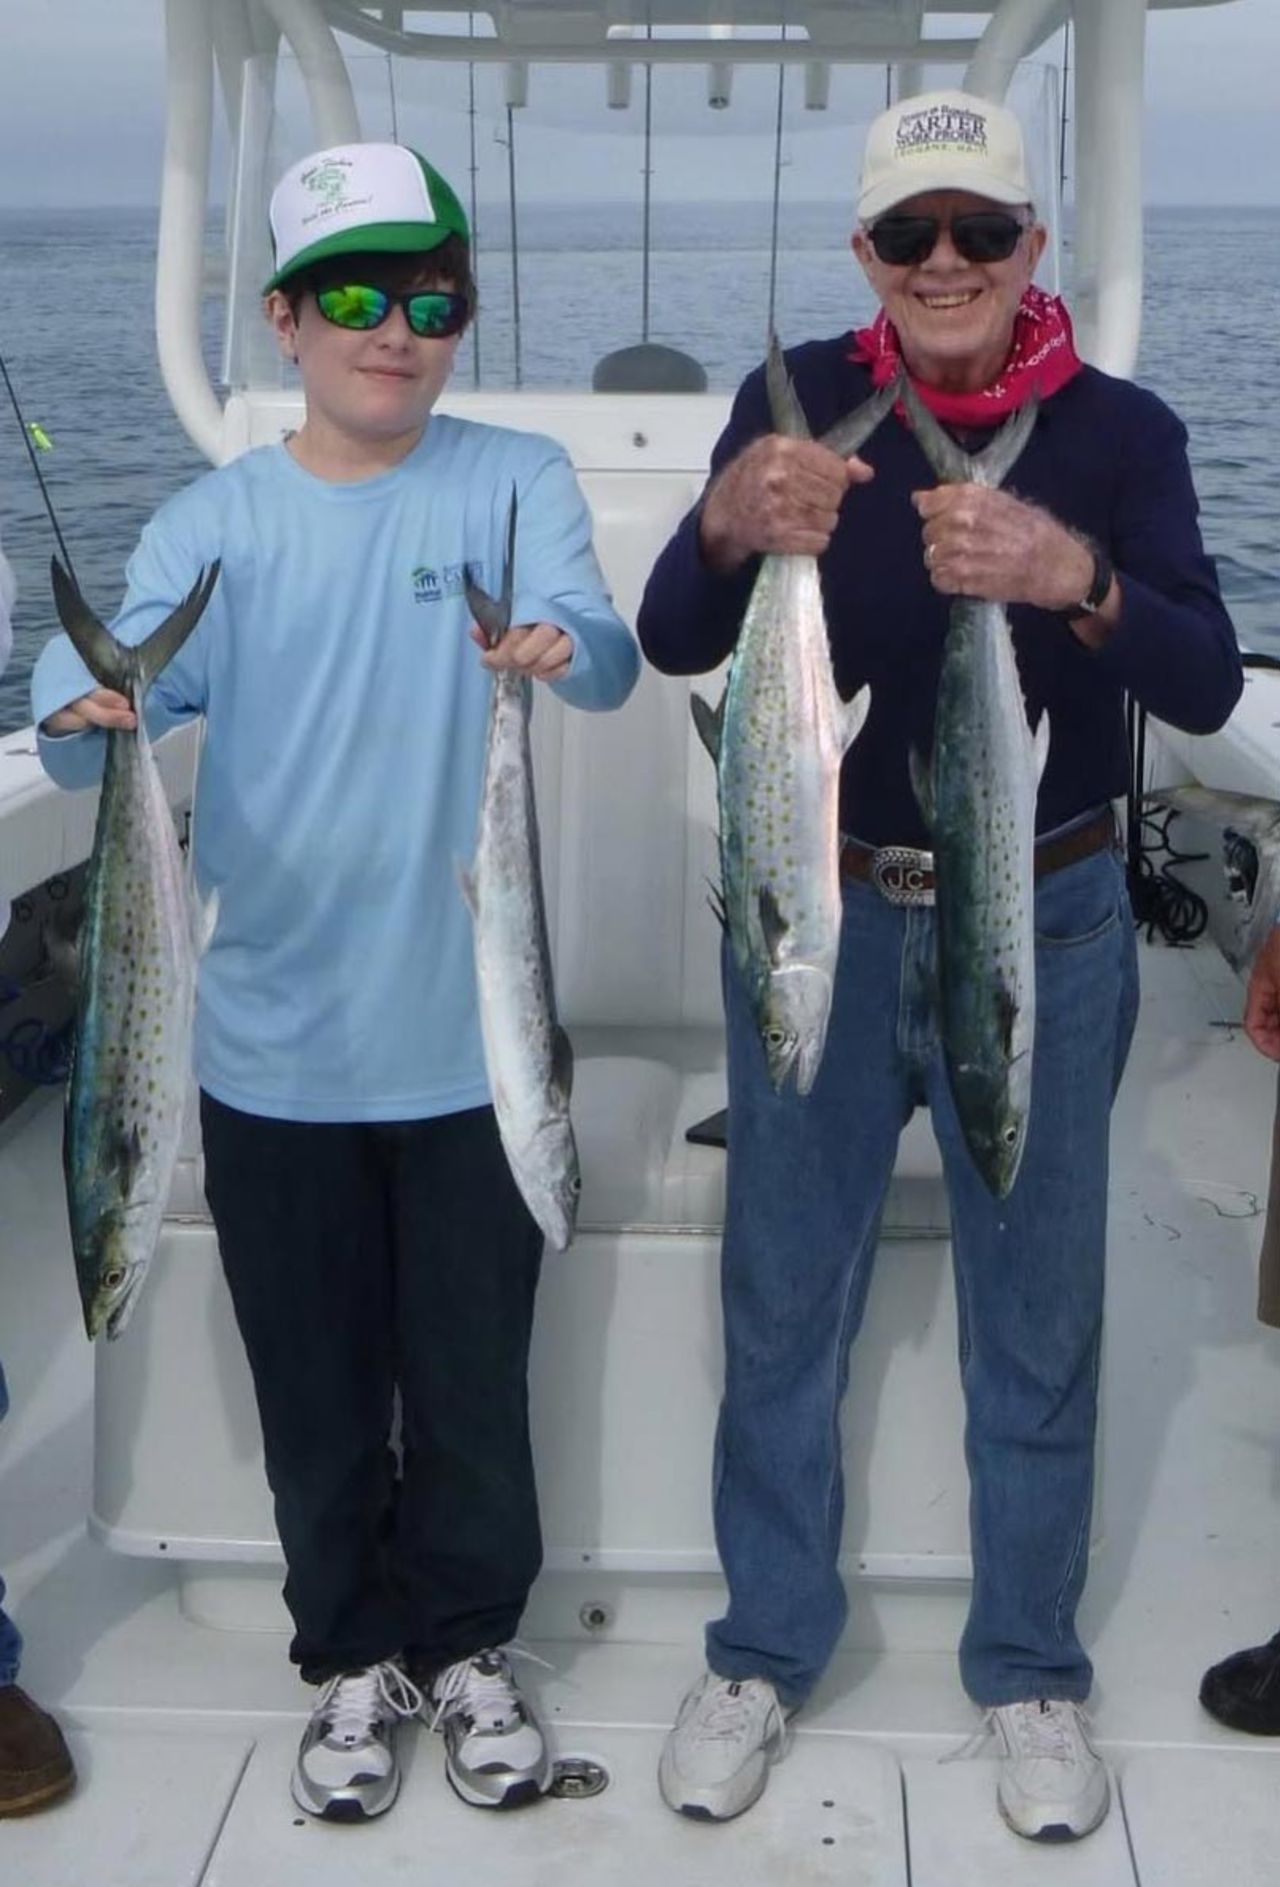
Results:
366 1258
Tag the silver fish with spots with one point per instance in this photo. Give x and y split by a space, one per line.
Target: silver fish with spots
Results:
978 798
527 1054
778 738
137 965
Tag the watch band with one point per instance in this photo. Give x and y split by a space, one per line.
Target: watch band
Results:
1099 584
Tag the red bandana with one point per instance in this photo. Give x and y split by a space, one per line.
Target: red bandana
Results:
1041 359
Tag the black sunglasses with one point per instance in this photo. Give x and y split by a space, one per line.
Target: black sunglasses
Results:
432 313
977 235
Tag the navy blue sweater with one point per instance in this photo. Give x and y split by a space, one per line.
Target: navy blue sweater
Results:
1107 458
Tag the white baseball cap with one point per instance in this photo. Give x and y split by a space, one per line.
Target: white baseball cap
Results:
942 141
356 199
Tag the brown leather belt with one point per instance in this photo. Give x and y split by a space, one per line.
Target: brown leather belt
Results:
904 875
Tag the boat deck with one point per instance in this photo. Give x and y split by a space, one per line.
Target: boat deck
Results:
184 1734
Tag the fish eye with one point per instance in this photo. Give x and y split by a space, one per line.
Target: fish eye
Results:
114 1278
776 1038
1010 1135
575 1185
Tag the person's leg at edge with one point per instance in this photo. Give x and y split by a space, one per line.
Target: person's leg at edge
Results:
36 1769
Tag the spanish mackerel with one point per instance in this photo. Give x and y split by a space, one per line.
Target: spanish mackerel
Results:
137 967
978 798
778 739
527 1054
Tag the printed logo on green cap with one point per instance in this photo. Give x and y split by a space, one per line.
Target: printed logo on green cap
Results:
328 181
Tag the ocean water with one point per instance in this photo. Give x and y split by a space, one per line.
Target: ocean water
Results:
76 336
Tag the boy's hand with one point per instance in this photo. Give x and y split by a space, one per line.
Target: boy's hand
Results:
538 649
101 707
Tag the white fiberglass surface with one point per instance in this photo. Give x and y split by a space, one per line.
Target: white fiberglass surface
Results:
163 1709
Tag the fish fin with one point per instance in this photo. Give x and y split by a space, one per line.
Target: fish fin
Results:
995 462
163 643
493 613
850 716
715 898
784 402
62 951
467 886
772 922
1040 745
709 722
851 433
1006 1019
922 785
950 465
561 1063
122 1158
106 659
204 918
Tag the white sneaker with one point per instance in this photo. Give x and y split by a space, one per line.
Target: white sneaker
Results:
494 1752
715 1762
1053 1786
346 1768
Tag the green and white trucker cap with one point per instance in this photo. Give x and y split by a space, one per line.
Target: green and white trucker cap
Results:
942 141
358 199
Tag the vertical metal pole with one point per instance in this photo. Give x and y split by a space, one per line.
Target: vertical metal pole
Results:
1062 121
777 188
648 174
475 226
515 243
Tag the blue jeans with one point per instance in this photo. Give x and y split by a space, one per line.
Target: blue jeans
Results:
10 1642
806 1184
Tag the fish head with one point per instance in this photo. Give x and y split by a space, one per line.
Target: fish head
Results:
795 1005
993 1110
550 1180
114 1271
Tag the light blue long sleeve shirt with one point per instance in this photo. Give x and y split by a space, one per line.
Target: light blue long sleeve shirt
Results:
339 779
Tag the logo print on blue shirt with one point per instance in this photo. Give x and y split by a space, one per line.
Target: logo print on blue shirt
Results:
429 585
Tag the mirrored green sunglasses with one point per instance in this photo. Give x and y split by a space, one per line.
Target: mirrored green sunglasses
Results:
432 313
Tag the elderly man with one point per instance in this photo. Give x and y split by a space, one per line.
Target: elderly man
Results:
1099 556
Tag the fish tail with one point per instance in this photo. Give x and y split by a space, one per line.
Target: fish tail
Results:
852 432
163 643
952 466
784 401
108 660
493 613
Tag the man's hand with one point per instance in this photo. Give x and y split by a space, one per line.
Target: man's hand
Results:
538 649
1262 998
987 543
101 707
781 495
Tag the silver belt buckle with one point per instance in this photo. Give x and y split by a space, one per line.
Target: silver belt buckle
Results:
898 871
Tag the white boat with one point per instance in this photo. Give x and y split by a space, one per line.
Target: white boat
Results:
135 1526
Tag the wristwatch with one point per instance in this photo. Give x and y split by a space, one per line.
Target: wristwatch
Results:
1099 585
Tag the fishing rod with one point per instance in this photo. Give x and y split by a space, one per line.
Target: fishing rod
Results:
29 435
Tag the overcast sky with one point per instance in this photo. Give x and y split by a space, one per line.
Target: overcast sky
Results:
81 103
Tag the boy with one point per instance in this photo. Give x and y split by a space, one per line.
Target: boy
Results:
372 1236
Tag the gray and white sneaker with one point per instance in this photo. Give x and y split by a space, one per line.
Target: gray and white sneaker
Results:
715 1762
494 1752
1053 1785
346 1768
